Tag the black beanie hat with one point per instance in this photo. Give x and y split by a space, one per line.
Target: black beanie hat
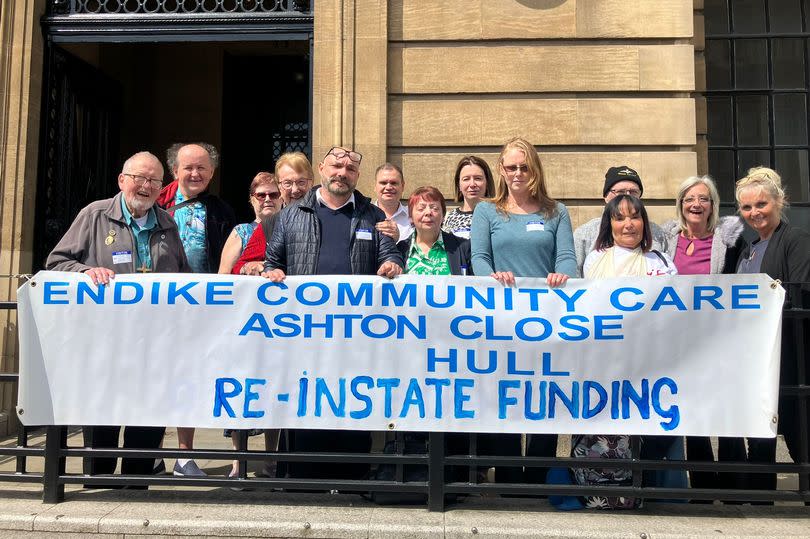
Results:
618 174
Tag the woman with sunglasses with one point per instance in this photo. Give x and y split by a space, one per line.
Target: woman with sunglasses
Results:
522 232
264 197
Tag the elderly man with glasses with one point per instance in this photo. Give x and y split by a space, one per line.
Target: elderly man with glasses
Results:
621 180
331 231
124 234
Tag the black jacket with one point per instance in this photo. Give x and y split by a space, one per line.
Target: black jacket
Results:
294 245
787 258
219 220
458 252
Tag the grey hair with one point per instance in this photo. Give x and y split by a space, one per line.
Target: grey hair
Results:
766 179
171 153
689 183
140 155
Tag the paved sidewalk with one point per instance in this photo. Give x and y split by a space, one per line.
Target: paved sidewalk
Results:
221 512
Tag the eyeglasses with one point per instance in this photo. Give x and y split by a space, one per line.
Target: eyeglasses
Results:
339 153
272 196
301 183
140 181
511 169
688 201
632 192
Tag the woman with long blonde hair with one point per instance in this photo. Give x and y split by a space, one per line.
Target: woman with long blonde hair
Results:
521 232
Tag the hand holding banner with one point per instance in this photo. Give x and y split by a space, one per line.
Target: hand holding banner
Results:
690 355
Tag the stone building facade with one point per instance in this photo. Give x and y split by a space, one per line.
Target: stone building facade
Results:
593 83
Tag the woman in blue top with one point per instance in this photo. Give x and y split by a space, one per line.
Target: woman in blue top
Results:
264 197
521 232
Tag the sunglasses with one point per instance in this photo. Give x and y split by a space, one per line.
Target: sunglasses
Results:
272 196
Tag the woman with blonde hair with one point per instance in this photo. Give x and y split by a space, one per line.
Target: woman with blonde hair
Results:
700 242
783 252
521 232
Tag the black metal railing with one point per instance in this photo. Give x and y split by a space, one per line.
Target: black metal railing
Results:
177 7
442 473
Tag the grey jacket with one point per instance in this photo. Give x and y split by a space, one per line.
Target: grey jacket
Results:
726 243
84 245
585 238
294 246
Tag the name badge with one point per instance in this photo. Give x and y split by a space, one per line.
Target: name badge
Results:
462 233
363 234
535 226
122 257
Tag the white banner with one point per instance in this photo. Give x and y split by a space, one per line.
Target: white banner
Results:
695 355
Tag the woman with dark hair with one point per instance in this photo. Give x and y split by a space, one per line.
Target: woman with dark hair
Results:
623 244
472 182
429 250
623 248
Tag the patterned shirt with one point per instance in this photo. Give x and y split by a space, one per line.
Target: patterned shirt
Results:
190 221
458 222
435 262
143 258
245 231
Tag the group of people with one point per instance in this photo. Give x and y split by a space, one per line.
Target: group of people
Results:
506 225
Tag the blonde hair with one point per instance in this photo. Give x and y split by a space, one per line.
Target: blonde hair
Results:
296 161
766 179
714 197
537 179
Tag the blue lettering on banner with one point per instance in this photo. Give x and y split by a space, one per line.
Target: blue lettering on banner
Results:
615 296
368 381
136 291
413 397
738 296
221 396
541 358
49 290
262 293
183 291
438 384
212 292
251 395
95 293
460 397
347 296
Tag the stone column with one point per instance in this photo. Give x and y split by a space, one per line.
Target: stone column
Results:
21 44
349 80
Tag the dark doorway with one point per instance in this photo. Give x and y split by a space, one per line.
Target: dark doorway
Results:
105 101
265 113
79 146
